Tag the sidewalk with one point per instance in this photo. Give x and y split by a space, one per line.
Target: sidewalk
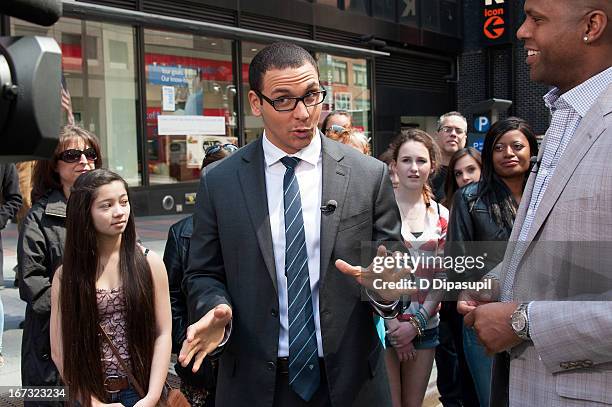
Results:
153 231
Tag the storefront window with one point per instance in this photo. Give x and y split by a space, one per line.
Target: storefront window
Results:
340 72
190 102
384 9
358 6
99 66
349 91
253 125
408 11
360 75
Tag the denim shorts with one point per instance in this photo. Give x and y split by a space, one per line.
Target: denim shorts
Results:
429 340
127 397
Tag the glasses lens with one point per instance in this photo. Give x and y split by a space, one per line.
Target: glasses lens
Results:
313 98
90 154
284 104
70 156
448 129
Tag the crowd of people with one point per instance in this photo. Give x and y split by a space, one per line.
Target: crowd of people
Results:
266 293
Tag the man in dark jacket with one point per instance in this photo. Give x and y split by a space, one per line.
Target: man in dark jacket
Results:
10 203
198 387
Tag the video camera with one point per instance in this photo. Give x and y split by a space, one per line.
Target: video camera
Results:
30 85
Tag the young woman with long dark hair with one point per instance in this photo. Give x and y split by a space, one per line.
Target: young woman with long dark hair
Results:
109 288
40 247
464 168
484 212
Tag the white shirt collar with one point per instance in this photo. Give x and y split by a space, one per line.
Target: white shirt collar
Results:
310 153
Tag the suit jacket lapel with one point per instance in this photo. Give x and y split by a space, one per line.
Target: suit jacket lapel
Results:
335 183
590 128
253 183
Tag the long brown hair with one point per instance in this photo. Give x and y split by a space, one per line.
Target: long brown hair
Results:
450 184
77 300
45 176
421 137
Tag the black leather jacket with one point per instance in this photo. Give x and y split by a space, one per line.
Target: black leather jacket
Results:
473 231
40 248
176 255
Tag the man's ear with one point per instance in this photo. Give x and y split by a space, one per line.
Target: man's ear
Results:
596 21
255 103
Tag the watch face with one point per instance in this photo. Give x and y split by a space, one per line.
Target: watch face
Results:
518 322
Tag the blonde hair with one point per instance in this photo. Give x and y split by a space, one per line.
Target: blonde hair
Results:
359 140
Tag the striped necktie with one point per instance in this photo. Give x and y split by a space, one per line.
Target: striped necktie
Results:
304 374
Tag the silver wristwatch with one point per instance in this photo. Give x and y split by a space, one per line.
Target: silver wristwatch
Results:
519 322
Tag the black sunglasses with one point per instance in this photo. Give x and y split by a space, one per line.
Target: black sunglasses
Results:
73 155
217 147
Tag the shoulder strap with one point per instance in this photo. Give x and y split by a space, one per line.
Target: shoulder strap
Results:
133 380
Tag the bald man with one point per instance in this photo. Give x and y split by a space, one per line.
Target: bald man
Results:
553 323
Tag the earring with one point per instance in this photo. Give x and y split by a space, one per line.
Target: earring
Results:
586 38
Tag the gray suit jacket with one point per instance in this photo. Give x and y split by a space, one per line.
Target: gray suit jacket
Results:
231 261
566 269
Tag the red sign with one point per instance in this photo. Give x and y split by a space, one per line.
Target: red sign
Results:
494 27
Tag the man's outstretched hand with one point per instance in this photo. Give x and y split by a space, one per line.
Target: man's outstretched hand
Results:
372 279
204 336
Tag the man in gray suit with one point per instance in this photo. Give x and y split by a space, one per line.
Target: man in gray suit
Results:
269 224
560 352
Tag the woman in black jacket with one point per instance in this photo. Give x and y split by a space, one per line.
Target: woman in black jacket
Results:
484 212
199 388
40 247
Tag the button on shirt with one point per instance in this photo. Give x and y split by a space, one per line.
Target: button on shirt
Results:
309 176
567 111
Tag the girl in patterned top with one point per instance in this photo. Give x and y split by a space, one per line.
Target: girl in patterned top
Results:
413 335
108 281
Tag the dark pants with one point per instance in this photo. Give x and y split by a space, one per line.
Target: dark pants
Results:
285 396
454 381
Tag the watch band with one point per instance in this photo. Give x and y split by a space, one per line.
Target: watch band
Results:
519 321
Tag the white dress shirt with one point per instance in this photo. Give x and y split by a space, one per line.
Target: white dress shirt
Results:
309 176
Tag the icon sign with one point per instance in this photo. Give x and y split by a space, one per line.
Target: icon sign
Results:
482 124
494 27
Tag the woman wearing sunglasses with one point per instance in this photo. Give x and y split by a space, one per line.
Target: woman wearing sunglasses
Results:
41 246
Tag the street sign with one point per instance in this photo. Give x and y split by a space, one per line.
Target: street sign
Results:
482 124
496 24
494 27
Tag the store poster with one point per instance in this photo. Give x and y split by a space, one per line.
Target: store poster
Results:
168 99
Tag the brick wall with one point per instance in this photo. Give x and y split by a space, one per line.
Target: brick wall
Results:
499 71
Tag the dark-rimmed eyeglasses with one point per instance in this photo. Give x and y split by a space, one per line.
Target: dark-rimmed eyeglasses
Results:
229 147
288 103
73 155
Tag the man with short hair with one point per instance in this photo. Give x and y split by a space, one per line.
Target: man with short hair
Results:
555 318
263 282
451 137
454 381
